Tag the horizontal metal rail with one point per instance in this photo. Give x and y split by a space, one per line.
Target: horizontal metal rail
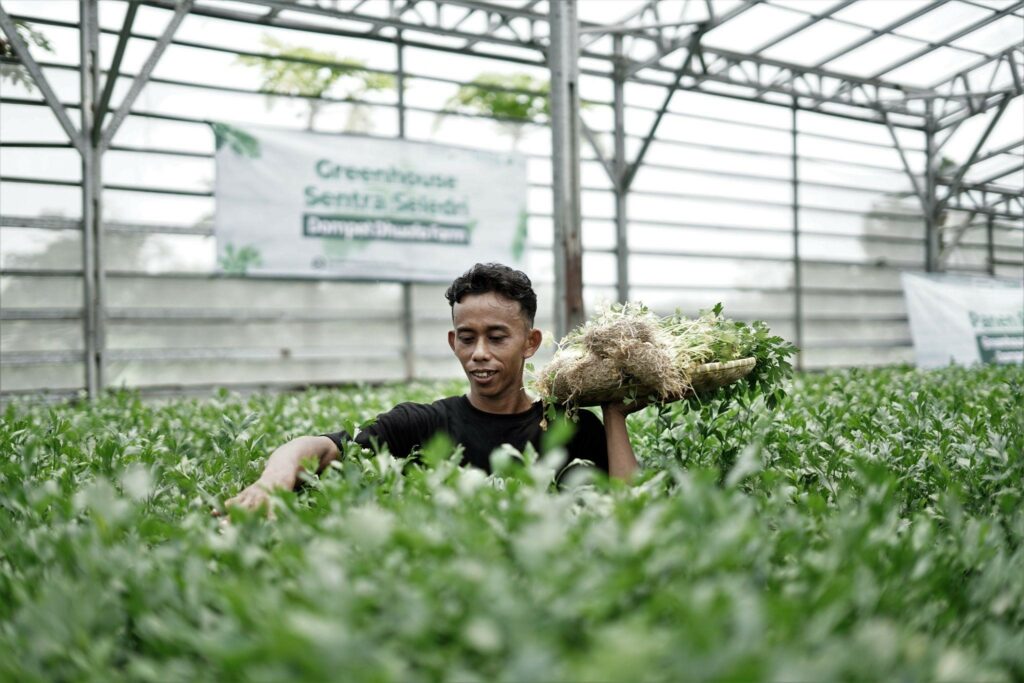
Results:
539 61
208 230
253 354
425 110
641 193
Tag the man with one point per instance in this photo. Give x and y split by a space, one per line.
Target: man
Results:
493 309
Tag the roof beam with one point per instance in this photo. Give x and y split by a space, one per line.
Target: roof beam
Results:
959 177
992 177
958 86
30 64
948 39
181 9
103 105
810 21
769 81
665 49
888 28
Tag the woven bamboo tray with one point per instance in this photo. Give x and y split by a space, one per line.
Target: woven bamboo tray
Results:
705 378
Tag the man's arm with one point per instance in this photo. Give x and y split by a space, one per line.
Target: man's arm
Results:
622 463
282 470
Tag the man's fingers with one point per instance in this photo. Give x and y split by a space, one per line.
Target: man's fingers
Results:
251 498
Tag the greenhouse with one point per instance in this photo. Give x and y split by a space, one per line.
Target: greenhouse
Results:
788 158
786 235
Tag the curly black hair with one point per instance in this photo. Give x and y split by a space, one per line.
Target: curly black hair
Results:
494 277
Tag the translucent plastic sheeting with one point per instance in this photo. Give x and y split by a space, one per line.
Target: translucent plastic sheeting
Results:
50 376
819 334
34 248
706 272
852 249
821 358
41 335
855 278
192 372
277 335
20 292
246 294
852 305
888 219
743 305
24 199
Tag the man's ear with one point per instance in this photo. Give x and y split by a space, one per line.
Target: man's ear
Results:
451 339
533 340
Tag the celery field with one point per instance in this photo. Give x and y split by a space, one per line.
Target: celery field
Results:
870 527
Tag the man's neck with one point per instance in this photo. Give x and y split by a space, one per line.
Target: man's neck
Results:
507 404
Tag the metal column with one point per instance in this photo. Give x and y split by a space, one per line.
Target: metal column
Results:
990 244
565 153
92 189
400 83
798 302
618 181
408 319
931 200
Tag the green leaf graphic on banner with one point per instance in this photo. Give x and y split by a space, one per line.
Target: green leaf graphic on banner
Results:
519 239
239 261
238 140
338 250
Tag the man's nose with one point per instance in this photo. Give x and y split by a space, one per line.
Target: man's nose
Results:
481 351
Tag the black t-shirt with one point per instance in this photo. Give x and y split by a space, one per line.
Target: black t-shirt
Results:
411 425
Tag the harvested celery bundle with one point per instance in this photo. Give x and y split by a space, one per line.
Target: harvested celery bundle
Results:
626 352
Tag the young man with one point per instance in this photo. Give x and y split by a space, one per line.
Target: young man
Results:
493 308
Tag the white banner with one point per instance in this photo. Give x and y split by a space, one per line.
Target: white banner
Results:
965 320
313 204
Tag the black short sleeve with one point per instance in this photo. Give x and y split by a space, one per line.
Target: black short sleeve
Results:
402 429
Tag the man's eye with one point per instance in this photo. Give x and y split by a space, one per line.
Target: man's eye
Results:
466 340
497 338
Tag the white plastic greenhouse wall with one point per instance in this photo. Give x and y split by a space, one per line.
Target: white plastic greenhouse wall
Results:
711 218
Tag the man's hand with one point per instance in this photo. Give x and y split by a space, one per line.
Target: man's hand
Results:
282 471
254 497
624 409
622 462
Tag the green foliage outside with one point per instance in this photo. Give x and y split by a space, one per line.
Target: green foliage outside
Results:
283 75
512 99
481 97
16 73
870 527
239 260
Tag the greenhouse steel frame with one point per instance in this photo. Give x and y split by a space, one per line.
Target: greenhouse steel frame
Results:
655 45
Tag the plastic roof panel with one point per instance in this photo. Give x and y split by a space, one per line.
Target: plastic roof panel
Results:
820 6
874 56
816 42
937 65
880 13
999 35
943 21
754 27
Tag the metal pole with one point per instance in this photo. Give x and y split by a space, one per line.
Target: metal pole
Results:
565 153
618 182
798 298
990 243
408 320
400 84
931 205
409 347
88 54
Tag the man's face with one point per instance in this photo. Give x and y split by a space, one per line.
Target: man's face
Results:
492 339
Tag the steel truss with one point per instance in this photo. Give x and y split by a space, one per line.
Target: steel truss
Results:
661 43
